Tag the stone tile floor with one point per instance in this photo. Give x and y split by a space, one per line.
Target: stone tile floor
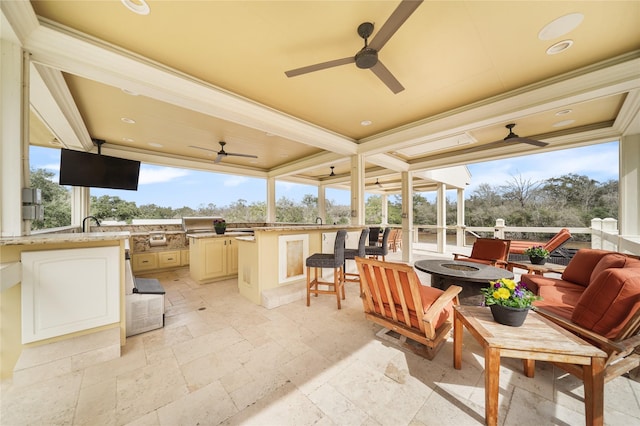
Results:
222 360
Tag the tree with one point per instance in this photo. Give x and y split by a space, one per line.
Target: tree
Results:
424 212
114 208
56 200
520 190
373 210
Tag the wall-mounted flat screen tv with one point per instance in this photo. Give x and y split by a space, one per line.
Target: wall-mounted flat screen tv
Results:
78 168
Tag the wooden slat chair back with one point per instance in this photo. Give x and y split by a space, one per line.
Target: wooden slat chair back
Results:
394 298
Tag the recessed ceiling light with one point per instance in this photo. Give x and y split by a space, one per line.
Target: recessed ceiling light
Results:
560 26
137 6
155 144
563 123
54 141
560 46
365 123
128 120
130 92
564 112
128 140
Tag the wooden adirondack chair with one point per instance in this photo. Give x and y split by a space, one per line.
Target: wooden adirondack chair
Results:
394 298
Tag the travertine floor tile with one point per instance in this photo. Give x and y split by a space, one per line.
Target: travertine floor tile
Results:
222 360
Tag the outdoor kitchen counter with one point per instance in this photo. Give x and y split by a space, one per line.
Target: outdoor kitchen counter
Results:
271 265
305 228
80 237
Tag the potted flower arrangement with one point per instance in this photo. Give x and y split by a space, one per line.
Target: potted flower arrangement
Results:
537 254
219 225
509 301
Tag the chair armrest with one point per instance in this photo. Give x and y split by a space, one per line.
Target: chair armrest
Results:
457 255
440 303
602 342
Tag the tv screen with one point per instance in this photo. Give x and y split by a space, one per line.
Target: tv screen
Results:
78 168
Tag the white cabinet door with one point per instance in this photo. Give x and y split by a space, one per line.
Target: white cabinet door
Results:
329 240
65 291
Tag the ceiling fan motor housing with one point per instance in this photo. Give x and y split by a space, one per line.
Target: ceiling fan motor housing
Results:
366 58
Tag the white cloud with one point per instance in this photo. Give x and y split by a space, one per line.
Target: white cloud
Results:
53 166
599 162
235 180
149 175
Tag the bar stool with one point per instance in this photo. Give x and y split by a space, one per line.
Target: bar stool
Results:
334 261
350 254
382 250
374 235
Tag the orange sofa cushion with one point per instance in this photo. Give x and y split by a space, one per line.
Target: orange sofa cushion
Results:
613 260
579 270
559 298
609 301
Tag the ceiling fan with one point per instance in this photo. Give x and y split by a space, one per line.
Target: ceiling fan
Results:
222 153
378 184
367 57
512 137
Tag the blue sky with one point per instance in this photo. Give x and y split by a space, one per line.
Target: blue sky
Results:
170 187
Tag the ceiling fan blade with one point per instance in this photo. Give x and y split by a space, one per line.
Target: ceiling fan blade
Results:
527 140
387 78
219 158
242 155
395 21
205 149
320 66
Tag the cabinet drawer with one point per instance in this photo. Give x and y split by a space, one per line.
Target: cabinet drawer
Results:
168 259
144 261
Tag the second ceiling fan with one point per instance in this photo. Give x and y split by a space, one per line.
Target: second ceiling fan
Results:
367 57
222 153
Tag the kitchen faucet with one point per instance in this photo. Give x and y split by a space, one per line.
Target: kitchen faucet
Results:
85 220
319 219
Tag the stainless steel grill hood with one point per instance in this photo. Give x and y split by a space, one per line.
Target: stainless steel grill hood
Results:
192 225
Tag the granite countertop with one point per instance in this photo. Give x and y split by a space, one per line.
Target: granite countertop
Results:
308 228
81 237
214 235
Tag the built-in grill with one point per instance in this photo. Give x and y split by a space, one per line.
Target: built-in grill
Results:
194 225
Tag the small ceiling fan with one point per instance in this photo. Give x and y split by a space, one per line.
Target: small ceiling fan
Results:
378 184
222 153
367 57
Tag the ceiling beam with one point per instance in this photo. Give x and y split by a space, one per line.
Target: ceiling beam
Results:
54 46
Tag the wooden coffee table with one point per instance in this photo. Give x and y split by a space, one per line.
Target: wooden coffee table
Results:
537 339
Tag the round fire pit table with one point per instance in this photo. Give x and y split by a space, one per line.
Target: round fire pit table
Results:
470 276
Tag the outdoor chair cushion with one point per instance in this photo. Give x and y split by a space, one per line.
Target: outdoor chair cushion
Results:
580 268
559 299
609 301
428 296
